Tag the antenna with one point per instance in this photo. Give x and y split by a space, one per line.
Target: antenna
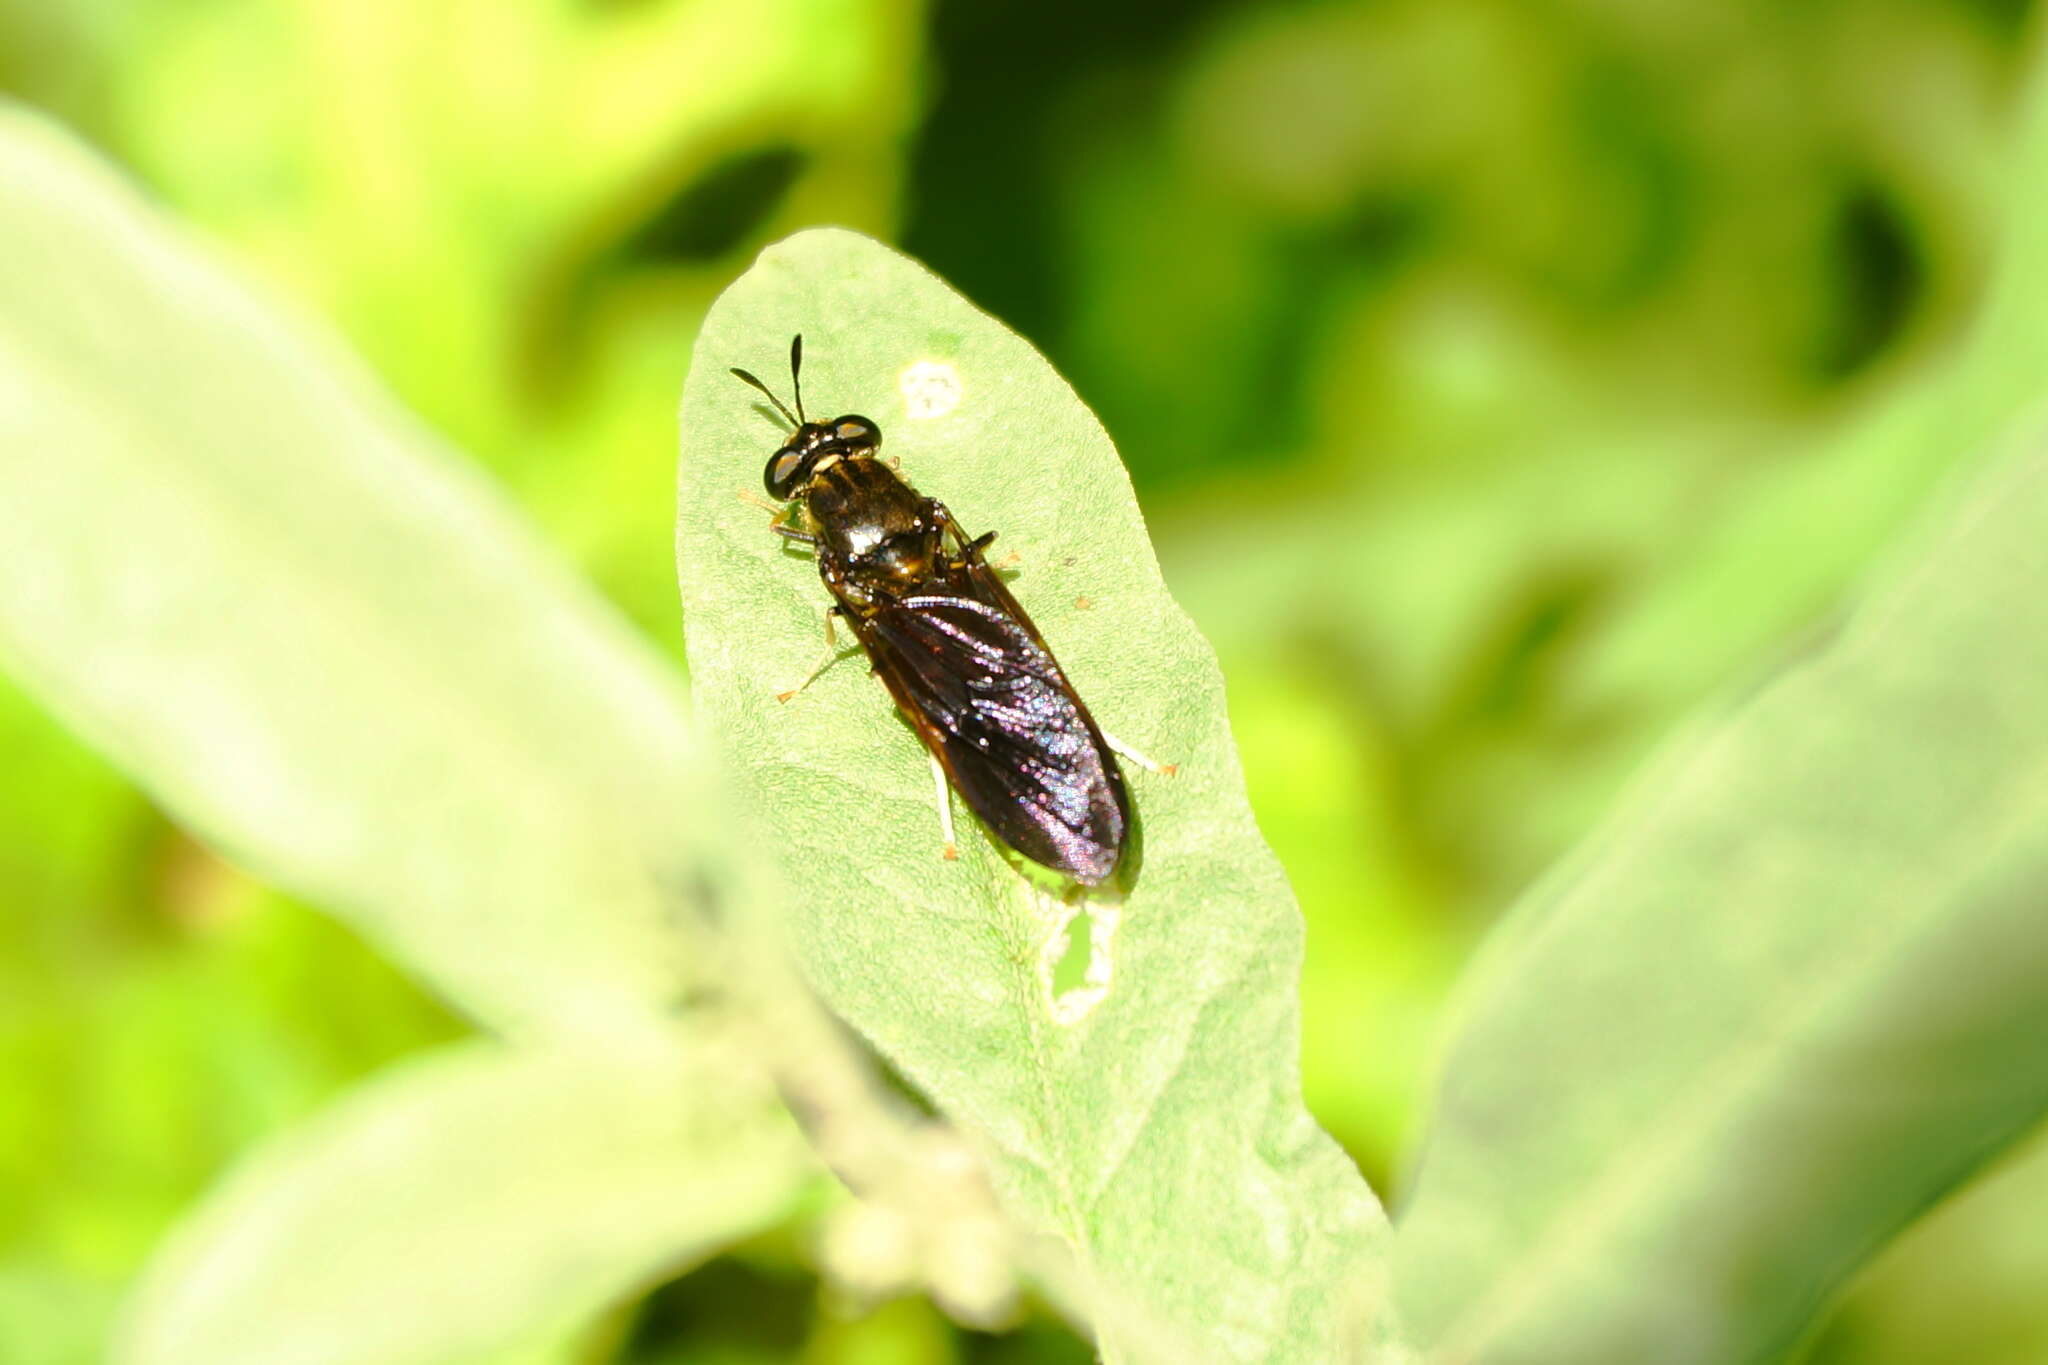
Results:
742 375
796 364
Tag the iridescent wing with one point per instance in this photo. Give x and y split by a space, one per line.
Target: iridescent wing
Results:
989 700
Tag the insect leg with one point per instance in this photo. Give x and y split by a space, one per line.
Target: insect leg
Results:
781 527
832 656
970 550
779 522
951 851
942 517
1149 765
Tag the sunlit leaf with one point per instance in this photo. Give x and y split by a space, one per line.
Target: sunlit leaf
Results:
232 565
1159 1130
464 1205
1792 995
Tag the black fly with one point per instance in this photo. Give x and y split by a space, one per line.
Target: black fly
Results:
963 661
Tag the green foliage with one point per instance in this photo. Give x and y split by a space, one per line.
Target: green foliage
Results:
1499 385
1798 960
1151 1116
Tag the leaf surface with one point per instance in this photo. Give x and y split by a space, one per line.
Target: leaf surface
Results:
1791 995
464 1205
315 635
1141 1102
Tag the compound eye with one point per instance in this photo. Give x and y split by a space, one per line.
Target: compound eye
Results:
855 431
781 474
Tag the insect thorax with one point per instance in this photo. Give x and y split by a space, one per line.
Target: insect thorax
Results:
869 517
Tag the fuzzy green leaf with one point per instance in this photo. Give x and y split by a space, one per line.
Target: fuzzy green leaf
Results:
465 1205
1794 993
232 564
1144 1105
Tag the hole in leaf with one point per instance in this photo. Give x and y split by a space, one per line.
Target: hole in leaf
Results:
1075 959
1070 973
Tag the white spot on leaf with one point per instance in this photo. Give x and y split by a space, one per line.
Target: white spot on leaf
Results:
930 388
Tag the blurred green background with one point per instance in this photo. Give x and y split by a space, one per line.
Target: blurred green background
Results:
1500 381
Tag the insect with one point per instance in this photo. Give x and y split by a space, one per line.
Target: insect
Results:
965 664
